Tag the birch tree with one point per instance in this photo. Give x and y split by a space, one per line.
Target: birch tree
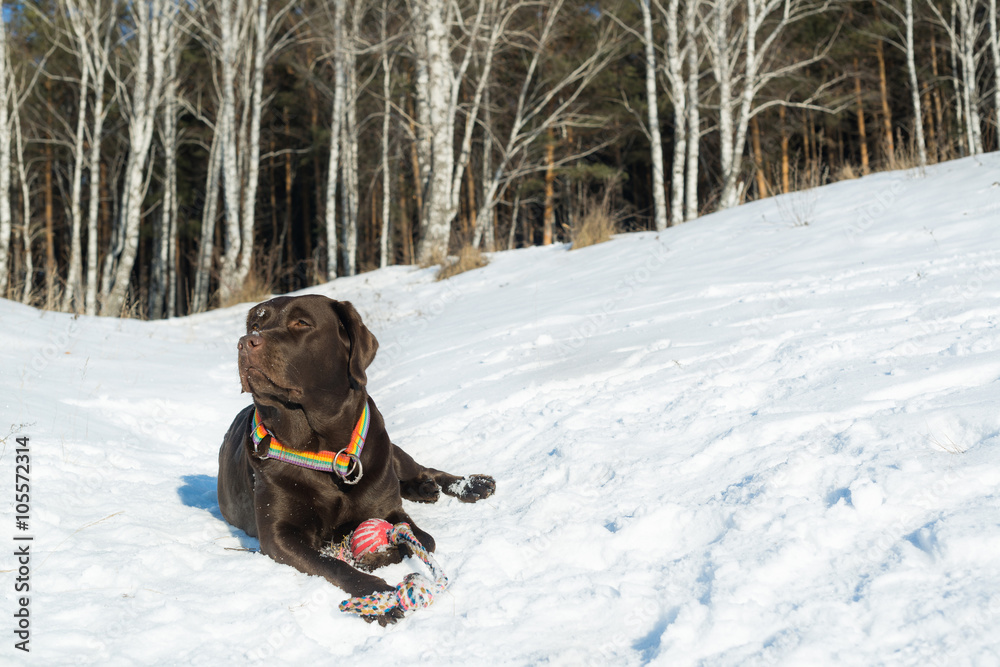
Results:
653 129
436 93
25 182
963 32
739 51
243 36
209 214
911 67
6 219
439 83
906 18
350 191
333 169
155 26
91 26
995 52
239 177
691 15
74 274
386 63
969 56
162 274
99 25
541 109
19 85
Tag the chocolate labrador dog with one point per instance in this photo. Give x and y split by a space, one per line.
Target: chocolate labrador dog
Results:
310 459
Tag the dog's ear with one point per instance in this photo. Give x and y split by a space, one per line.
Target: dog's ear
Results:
363 343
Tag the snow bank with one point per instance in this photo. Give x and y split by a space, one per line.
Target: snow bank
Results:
769 436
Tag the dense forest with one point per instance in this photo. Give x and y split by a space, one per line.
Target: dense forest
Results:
161 157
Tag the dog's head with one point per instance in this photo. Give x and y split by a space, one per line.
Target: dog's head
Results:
305 351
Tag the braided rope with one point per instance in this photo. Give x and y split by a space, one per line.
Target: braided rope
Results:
414 592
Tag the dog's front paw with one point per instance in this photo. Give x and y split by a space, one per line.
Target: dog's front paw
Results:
370 562
472 488
388 618
421 490
367 584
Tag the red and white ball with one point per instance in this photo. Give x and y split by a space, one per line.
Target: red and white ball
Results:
370 537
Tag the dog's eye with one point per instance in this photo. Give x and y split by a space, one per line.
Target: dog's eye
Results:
301 323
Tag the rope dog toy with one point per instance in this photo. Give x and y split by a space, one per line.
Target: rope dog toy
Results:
414 592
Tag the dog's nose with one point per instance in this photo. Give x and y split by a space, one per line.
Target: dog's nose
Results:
250 341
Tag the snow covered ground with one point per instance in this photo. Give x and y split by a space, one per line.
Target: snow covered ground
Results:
744 441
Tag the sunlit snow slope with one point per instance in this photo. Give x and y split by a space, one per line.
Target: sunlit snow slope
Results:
767 437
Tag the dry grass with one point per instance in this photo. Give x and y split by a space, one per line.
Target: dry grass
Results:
797 207
845 173
597 225
258 286
946 444
435 259
468 258
132 309
907 157
254 290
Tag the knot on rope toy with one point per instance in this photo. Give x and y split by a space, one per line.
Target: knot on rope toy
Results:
414 592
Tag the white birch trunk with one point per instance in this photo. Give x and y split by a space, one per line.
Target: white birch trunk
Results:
161 270
172 207
489 225
101 65
758 11
918 119
332 249
721 67
513 220
655 142
969 60
349 166
155 25
249 177
694 110
438 203
6 97
733 130
232 237
22 174
995 52
74 276
422 96
386 116
203 268
679 94
956 79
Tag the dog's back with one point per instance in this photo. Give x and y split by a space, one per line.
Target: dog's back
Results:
235 486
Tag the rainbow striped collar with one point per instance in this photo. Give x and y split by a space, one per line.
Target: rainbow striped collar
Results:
344 462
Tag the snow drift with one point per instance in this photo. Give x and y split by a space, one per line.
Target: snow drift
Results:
769 436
